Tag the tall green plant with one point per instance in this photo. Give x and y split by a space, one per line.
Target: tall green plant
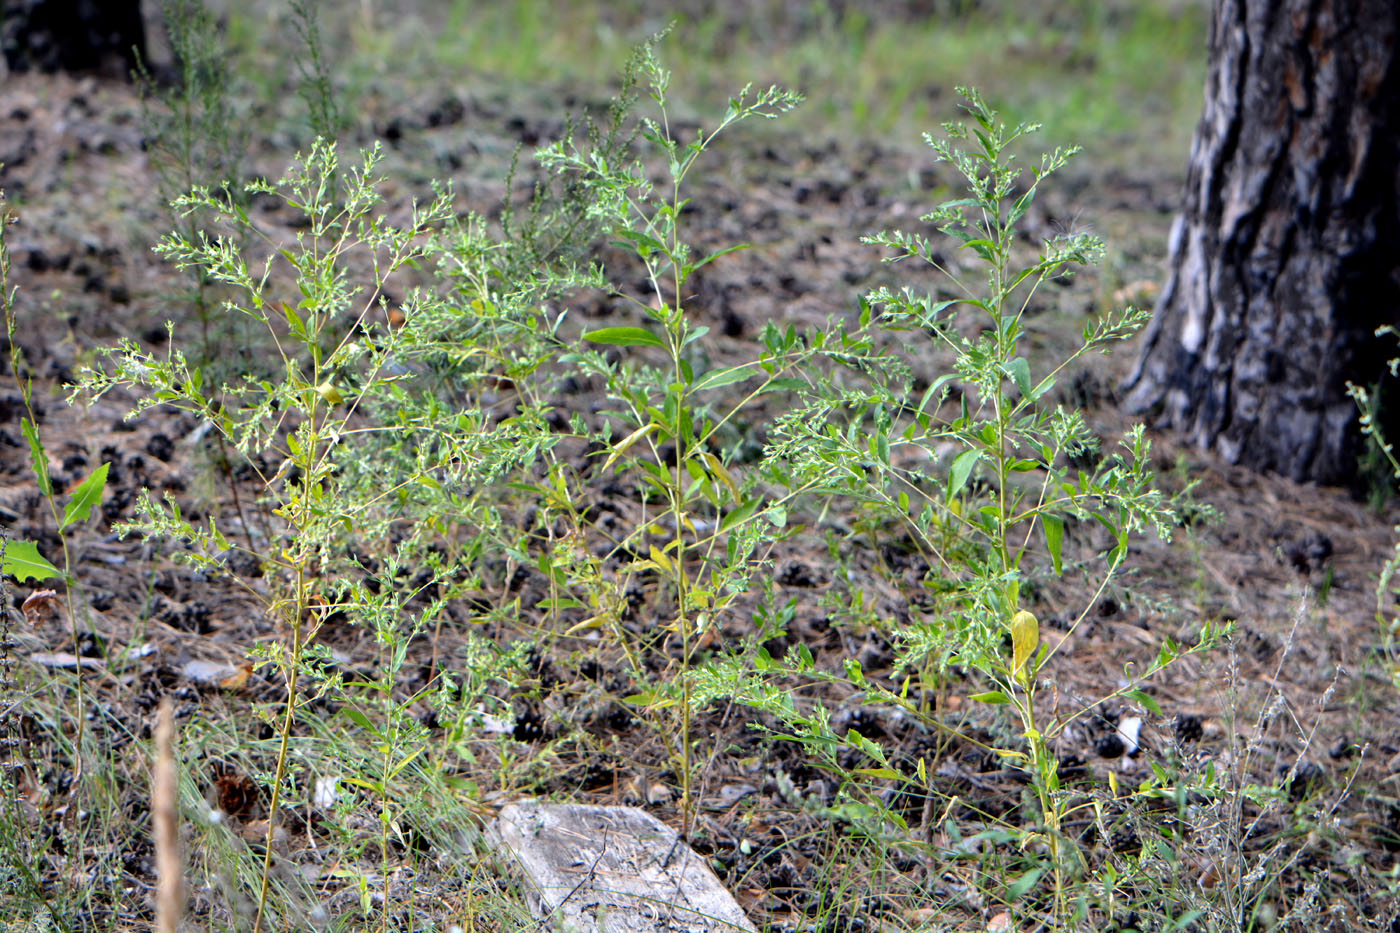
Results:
664 431
1387 585
196 136
22 560
304 420
1003 498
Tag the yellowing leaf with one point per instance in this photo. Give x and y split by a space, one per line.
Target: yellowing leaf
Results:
238 679
623 445
661 560
718 469
591 622
1025 639
328 392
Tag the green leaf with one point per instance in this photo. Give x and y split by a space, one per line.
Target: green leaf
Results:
960 470
865 745
36 452
886 773
645 245
882 447
1147 701
1023 884
718 253
22 561
994 697
804 655
721 377
1054 528
87 495
625 337
1020 372
1022 205
560 602
742 514
983 247
295 323
359 719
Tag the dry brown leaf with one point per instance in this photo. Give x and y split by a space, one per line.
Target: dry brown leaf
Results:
1001 923
38 604
239 678
256 831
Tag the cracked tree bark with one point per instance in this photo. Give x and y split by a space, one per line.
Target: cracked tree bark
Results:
1286 256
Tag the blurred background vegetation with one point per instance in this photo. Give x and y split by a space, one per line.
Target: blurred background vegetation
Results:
1123 78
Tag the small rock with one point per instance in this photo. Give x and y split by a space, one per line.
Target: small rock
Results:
731 794
582 864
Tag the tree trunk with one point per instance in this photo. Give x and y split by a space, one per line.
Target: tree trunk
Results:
72 35
1287 254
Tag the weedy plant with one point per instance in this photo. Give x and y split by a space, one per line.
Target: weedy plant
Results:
26 858
997 509
1387 586
359 388
196 136
700 527
304 419
388 436
707 526
355 388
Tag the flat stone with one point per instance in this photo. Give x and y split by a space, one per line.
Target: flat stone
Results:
591 869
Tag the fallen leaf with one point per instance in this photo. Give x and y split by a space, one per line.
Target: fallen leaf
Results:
238 679
256 831
38 604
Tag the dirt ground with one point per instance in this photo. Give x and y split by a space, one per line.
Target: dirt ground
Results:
1298 697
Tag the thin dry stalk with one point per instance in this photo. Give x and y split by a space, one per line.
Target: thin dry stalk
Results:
170 893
